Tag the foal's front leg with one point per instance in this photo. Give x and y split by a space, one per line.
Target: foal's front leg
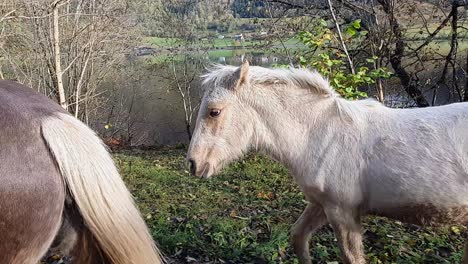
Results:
347 227
311 219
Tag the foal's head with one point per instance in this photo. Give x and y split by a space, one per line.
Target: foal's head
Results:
255 106
224 125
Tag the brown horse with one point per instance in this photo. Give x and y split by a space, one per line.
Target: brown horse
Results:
58 182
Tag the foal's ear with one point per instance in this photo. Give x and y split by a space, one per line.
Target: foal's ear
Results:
243 75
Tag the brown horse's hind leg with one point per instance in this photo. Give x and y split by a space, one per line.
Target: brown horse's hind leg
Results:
28 224
87 250
66 239
311 219
75 240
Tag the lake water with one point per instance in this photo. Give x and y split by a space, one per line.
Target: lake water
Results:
144 105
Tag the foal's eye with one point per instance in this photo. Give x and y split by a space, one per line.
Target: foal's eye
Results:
215 112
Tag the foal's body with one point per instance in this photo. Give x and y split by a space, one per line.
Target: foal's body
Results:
389 159
349 158
57 182
417 167
410 165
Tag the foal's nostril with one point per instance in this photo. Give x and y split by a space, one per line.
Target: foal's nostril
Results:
193 166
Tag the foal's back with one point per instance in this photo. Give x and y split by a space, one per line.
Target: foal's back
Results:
31 188
418 165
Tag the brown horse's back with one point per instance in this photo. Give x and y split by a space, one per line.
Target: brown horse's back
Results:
32 193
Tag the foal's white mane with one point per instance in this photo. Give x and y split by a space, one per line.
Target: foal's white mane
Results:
303 78
224 76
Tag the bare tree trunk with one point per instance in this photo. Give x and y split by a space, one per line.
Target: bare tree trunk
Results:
407 80
57 57
343 44
380 90
376 43
80 84
188 128
450 59
183 94
1 73
83 70
465 96
452 56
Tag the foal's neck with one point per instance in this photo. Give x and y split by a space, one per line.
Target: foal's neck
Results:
286 121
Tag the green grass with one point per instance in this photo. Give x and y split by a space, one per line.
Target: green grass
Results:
221 53
214 43
162 42
244 215
441 47
420 32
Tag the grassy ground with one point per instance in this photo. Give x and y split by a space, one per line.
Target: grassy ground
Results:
244 215
421 32
213 43
440 47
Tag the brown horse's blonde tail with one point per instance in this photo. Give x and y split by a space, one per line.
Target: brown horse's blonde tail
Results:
105 204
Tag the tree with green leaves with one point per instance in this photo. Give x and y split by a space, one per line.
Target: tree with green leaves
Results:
326 54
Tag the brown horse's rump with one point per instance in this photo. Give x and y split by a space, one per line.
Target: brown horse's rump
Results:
31 189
